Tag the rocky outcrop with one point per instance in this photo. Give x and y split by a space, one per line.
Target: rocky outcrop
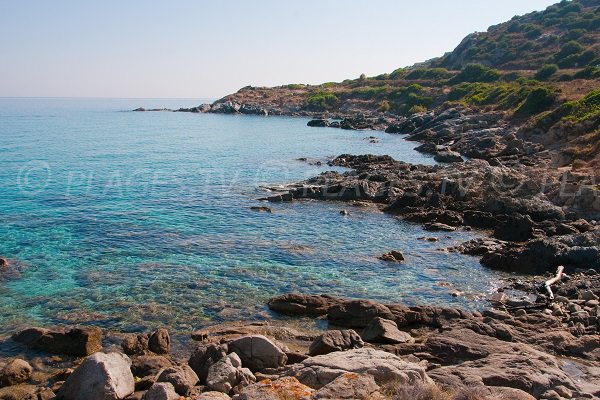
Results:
99 377
15 372
76 341
335 340
258 352
183 378
381 330
317 372
160 341
204 357
227 375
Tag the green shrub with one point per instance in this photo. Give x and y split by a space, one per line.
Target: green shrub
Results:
476 73
538 100
568 49
369 92
417 109
546 72
320 101
429 73
398 73
384 106
588 73
295 86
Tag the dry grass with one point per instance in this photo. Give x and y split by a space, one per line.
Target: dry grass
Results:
434 392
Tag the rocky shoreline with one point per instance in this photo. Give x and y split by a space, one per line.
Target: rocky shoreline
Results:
536 349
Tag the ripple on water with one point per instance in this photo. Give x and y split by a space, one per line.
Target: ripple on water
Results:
145 220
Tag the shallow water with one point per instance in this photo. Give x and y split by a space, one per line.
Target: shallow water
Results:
132 220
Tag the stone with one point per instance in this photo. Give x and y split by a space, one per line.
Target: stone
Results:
393 256
142 366
15 372
212 395
3 263
99 377
133 344
448 157
262 209
587 295
78 342
203 357
183 378
350 386
19 392
257 352
301 304
381 330
227 375
516 228
318 123
335 340
317 372
161 391
282 388
437 226
357 313
160 341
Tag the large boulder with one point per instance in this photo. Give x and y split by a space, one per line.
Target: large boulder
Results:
516 228
133 344
335 340
79 342
357 313
161 391
204 357
227 375
160 341
382 330
15 372
276 390
385 368
183 378
149 365
99 377
257 352
350 386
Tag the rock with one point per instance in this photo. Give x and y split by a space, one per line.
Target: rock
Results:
381 330
301 304
286 387
160 341
212 395
357 313
587 295
393 256
161 391
227 375
517 228
344 212
261 209
15 372
99 377
318 123
145 383
76 341
257 352
134 344
337 340
437 226
317 372
204 357
149 365
183 378
278 198
3 263
448 157
350 386
19 392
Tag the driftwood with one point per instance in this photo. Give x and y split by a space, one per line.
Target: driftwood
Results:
557 278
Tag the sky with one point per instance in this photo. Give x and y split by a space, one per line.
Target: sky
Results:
207 49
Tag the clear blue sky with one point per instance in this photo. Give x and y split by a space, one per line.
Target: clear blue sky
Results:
197 48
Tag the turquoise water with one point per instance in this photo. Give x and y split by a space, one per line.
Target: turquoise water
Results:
132 220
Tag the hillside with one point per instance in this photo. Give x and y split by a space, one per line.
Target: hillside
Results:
541 70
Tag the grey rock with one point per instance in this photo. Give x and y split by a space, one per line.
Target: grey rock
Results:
204 357
161 391
15 372
335 340
382 330
183 378
257 352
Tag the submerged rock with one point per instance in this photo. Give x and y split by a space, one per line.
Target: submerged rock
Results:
393 256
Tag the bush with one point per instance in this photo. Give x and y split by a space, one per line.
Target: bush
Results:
588 73
417 109
476 73
568 49
295 86
384 106
320 101
429 73
538 100
546 72
369 92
